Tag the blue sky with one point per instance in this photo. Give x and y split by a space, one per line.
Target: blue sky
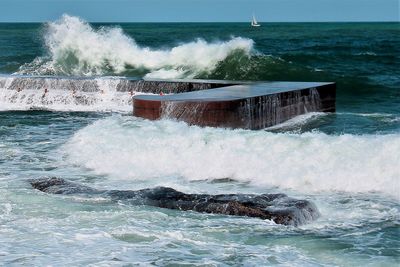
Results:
200 10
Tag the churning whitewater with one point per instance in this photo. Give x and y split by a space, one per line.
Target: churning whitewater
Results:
65 94
302 162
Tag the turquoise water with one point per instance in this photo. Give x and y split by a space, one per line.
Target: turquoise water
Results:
347 163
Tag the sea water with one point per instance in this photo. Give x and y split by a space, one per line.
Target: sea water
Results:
347 163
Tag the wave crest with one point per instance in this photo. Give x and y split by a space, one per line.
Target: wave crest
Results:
76 48
128 148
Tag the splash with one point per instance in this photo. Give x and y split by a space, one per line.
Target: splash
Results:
76 48
62 94
128 148
84 93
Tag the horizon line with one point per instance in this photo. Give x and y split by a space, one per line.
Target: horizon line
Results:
333 21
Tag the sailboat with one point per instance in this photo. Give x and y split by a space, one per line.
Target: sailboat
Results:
254 22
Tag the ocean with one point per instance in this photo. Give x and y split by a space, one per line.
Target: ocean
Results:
347 163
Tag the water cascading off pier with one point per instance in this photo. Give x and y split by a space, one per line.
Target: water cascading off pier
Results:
239 105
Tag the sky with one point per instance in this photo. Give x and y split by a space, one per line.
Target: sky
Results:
200 10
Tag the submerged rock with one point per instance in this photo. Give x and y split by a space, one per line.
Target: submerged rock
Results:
277 207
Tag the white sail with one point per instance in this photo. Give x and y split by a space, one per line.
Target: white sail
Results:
254 22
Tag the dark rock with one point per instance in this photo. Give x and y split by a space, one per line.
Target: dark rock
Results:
60 186
277 207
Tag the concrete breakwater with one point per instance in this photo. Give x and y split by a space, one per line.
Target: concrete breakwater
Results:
119 84
216 103
244 105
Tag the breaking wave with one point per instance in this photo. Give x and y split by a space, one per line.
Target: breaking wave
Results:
129 148
76 48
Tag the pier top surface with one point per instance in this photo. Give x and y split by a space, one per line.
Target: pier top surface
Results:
235 92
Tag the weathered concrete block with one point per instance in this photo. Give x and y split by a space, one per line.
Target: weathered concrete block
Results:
248 105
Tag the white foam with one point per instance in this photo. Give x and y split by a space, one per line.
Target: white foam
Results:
104 98
129 148
168 74
297 121
76 48
372 115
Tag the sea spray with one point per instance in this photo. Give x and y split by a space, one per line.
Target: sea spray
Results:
75 47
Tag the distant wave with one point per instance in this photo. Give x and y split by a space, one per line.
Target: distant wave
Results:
76 48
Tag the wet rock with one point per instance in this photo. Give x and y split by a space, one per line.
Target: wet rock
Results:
277 207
